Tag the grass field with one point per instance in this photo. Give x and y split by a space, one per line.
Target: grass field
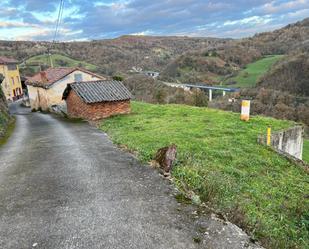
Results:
58 61
306 151
249 76
219 158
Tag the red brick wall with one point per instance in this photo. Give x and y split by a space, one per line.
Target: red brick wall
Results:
77 108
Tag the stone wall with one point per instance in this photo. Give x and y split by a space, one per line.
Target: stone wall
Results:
77 108
289 141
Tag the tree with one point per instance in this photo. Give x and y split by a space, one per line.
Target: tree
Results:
160 96
118 77
199 98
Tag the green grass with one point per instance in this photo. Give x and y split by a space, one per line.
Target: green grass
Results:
306 151
7 125
6 132
58 61
249 76
219 158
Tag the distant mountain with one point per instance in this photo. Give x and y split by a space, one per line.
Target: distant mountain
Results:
116 55
208 60
292 38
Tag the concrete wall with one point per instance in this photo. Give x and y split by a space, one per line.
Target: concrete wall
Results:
289 141
45 98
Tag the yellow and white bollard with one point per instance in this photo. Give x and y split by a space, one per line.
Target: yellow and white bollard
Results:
245 110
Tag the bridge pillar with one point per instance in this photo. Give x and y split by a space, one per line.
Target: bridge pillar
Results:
223 93
210 95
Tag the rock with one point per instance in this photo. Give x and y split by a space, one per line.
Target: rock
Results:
165 157
196 200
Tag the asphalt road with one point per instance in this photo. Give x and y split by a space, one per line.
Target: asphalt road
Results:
65 185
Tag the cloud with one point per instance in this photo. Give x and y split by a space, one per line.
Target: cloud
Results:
252 20
84 19
36 5
7 12
14 24
276 7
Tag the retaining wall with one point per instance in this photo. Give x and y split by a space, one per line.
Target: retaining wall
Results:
289 141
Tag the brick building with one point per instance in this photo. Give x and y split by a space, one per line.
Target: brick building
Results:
95 100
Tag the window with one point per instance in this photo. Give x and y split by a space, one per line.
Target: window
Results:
13 82
14 93
78 77
12 67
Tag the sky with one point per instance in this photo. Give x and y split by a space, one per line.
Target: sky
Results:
102 19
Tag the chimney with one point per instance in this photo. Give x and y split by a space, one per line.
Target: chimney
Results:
43 77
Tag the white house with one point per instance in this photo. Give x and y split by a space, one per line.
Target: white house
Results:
152 74
45 89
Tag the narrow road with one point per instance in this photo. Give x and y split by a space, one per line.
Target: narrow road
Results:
65 185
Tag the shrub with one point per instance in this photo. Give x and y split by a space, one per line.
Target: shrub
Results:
118 78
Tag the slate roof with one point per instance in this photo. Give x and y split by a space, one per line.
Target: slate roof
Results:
99 91
52 75
6 60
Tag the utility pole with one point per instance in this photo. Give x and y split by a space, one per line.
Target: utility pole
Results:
50 60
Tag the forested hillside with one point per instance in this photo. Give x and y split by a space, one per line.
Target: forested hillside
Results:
116 55
290 75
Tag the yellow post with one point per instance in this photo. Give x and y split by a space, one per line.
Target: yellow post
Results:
268 136
245 110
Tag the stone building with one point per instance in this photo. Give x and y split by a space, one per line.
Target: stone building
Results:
45 89
97 100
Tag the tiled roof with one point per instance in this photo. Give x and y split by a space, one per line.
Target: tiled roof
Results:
51 75
99 91
5 60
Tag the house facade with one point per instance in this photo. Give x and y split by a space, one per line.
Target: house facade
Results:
45 89
11 84
97 100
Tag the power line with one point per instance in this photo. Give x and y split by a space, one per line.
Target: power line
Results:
57 28
61 6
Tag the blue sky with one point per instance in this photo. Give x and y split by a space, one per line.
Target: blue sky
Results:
100 19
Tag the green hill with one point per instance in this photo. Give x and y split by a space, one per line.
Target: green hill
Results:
219 159
58 61
249 76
